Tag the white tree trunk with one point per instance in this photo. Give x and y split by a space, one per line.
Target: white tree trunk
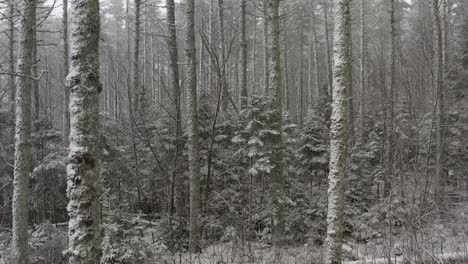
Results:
23 144
338 131
83 173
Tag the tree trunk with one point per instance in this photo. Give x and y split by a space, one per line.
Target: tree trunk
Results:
390 109
266 53
302 96
23 144
35 83
213 43
136 58
329 49
84 227
66 66
11 54
438 80
193 134
244 58
338 134
173 57
315 90
362 73
223 66
277 90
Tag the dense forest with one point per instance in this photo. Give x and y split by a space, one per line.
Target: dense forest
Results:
233 131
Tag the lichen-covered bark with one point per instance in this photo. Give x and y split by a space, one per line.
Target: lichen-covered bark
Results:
193 133
338 139
23 145
82 170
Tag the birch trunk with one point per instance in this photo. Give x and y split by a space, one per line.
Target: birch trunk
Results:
338 132
84 227
193 134
23 144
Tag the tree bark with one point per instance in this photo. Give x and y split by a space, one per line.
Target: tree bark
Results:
328 49
438 80
23 144
266 53
244 55
84 227
362 72
176 96
193 134
136 58
390 109
66 65
338 134
316 91
277 90
223 66
11 53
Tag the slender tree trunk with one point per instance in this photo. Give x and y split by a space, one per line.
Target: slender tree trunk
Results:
390 113
266 53
224 76
254 52
176 96
213 42
84 227
338 134
23 144
317 91
328 48
136 58
349 79
287 90
362 72
277 90
438 80
244 55
35 83
11 54
66 66
302 96
193 134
